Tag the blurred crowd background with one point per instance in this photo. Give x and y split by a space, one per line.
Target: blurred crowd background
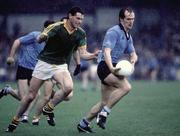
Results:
156 31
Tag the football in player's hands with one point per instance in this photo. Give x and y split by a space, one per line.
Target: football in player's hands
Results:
126 68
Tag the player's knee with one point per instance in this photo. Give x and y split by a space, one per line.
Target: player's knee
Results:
127 88
32 95
68 89
68 97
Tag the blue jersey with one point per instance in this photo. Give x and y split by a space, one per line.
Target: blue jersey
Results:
29 50
117 39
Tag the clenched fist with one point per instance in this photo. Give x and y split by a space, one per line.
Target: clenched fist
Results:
10 60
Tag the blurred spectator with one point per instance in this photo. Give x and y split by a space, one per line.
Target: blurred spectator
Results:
157 42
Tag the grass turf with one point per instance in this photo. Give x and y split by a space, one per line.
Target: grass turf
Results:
150 109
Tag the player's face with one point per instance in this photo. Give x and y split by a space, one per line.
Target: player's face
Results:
76 20
128 21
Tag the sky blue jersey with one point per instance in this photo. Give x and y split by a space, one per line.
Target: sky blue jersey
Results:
29 50
120 43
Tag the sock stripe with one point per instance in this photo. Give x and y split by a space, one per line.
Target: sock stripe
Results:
15 121
50 106
107 109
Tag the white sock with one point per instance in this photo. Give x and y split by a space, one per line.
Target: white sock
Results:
106 109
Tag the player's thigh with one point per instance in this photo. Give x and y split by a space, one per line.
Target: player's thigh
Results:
114 81
64 79
120 83
111 84
35 85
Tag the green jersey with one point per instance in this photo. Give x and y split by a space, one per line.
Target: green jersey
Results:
60 43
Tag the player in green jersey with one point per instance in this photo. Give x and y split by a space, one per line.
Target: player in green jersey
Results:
61 40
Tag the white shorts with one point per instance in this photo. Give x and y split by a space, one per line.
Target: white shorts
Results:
46 71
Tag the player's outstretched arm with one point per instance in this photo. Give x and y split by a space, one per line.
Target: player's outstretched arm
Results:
84 54
14 48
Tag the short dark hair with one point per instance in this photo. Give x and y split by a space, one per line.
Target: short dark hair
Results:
122 12
74 10
47 23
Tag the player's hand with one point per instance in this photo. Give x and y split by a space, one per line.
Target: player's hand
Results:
96 52
133 63
10 60
115 70
77 70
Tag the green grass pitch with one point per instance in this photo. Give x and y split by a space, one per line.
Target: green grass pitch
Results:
150 109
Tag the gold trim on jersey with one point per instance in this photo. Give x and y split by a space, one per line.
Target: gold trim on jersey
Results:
50 27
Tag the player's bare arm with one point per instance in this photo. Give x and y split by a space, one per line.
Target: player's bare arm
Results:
108 60
84 54
15 46
76 57
133 57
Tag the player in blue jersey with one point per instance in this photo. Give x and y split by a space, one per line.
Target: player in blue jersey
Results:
29 49
117 42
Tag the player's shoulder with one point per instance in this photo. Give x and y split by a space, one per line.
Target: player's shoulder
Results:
81 30
32 34
55 25
114 28
35 33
